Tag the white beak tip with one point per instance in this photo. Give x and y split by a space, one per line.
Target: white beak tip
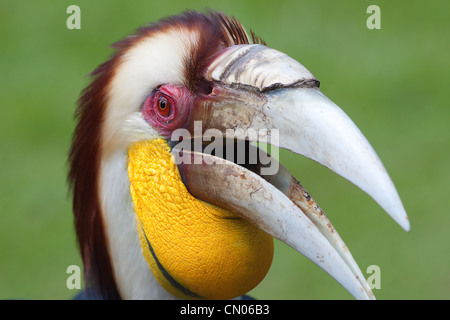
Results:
404 223
396 210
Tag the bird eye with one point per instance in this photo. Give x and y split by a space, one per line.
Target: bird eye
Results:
167 108
163 106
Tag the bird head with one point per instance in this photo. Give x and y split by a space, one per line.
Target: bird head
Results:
161 208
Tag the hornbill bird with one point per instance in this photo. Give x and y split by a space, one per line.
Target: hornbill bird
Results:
150 226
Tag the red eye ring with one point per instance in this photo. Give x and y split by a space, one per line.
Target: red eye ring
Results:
167 108
164 106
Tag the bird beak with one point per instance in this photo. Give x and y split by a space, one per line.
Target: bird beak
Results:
266 96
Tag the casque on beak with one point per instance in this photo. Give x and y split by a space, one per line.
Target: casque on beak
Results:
254 87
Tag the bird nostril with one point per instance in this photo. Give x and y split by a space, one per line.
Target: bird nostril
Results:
205 89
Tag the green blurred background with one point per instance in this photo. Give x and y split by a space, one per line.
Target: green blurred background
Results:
393 83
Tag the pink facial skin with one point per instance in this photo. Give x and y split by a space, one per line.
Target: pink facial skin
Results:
168 108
